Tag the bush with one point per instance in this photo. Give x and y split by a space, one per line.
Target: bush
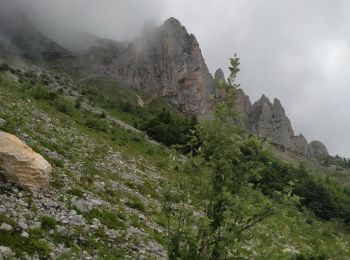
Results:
42 93
170 128
96 124
64 106
4 67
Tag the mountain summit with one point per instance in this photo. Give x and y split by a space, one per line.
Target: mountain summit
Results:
164 62
269 120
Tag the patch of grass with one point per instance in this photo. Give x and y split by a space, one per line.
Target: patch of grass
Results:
135 203
4 219
76 192
135 221
107 217
47 222
20 245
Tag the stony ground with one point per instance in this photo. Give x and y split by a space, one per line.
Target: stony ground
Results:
103 196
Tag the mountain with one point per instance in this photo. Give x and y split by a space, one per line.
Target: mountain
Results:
81 178
269 120
21 39
164 62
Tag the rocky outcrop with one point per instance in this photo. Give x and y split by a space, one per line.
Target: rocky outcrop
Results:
22 165
269 120
166 62
317 150
242 103
219 75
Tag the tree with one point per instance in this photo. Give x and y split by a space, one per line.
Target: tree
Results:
232 159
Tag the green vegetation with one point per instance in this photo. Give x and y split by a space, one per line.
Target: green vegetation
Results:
108 218
226 196
47 223
235 202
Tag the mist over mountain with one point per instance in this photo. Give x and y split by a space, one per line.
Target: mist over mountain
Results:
163 61
117 141
300 67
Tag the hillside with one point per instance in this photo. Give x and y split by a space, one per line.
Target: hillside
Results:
150 162
107 186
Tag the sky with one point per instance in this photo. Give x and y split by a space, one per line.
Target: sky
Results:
295 50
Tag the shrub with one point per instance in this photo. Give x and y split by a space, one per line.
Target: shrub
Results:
42 93
96 124
64 106
4 67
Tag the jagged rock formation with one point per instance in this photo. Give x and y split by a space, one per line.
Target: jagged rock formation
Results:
22 165
219 75
317 149
164 62
269 120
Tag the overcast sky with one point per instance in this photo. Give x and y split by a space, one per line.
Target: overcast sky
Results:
295 50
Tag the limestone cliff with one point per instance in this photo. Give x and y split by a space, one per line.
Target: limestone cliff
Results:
269 120
166 61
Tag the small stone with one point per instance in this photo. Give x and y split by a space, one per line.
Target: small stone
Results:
2 122
36 225
63 231
22 225
96 222
5 251
52 256
80 205
24 234
6 227
94 227
111 233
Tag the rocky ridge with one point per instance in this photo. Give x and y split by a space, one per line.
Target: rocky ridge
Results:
166 61
269 120
163 62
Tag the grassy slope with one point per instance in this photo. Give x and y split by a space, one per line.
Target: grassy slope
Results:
131 171
341 174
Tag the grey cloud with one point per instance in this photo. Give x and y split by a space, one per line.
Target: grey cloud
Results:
67 20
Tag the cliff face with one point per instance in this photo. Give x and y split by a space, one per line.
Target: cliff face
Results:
269 120
164 62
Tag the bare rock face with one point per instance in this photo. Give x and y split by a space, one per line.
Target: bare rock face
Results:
242 103
22 165
300 145
269 120
317 150
166 62
219 75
